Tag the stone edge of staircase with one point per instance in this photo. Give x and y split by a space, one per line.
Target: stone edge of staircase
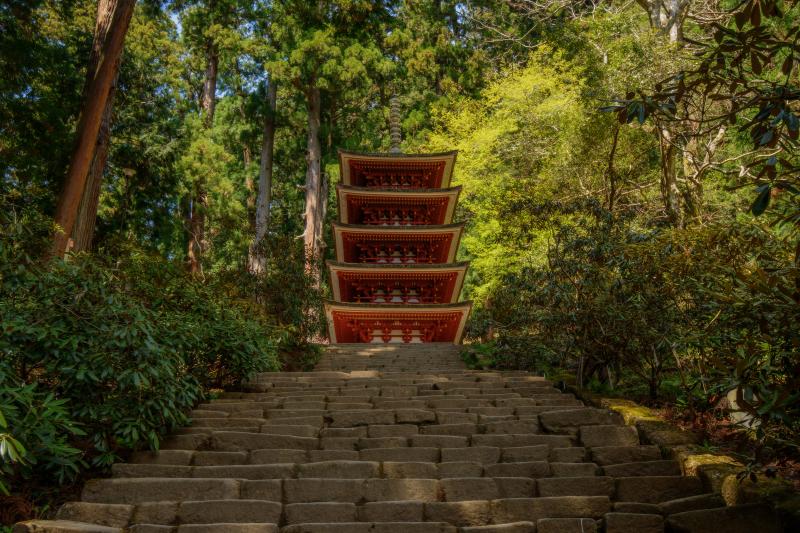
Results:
717 471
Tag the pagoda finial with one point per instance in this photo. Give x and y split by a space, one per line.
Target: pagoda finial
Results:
394 125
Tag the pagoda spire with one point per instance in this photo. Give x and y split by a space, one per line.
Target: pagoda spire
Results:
395 135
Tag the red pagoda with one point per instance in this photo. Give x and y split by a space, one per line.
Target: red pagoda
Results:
395 279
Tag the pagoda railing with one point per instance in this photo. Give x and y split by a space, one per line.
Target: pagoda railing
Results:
396 216
388 254
381 292
396 181
405 331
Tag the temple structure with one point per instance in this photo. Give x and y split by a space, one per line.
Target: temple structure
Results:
395 279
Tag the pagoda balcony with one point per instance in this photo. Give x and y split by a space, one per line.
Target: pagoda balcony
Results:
383 245
406 172
385 207
396 285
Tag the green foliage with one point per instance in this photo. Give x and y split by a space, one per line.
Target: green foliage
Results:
42 433
710 308
513 141
117 348
746 64
576 262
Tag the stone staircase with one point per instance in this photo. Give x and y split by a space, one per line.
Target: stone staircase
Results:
401 439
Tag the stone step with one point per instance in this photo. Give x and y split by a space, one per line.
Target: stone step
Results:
184 512
644 468
62 526
562 459
366 527
626 522
352 489
377 514
245 441
357 469
692 503
736 519
656 489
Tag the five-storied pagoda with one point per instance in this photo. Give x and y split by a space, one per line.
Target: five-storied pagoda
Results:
395 279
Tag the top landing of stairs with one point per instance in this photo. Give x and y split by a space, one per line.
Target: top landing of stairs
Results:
392 357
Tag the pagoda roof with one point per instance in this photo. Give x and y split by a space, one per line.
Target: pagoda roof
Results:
439 243
398 171
370 323
438 204
446 279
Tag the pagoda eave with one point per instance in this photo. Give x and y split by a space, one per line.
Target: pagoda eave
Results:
371 323
388 207
409 284
396 244
397 171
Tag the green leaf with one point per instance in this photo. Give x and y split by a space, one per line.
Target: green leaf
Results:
755 64
755 16
786 67
740 18
762 200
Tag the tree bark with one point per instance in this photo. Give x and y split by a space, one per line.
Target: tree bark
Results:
264 201
199 203
312 235
676 10
83 233
209 102
247 156
667 16
670 193
113 19
611 173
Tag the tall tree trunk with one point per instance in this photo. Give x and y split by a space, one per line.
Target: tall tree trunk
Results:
264 201
247 156
670 194
313 212
209 102
676 11
199 204
692 184
667 16
83 233
113 19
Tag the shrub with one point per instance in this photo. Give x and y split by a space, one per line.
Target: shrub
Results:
42 430
101 355
710 308
289 293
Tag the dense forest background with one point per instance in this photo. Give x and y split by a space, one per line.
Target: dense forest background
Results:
630 193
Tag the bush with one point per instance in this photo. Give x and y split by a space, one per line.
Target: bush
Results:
42 429
102 355
709 309
289 293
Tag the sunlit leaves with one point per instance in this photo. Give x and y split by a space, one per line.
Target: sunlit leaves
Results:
748 71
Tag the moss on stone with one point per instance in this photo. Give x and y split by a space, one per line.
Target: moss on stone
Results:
631 411
778 492
693 461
